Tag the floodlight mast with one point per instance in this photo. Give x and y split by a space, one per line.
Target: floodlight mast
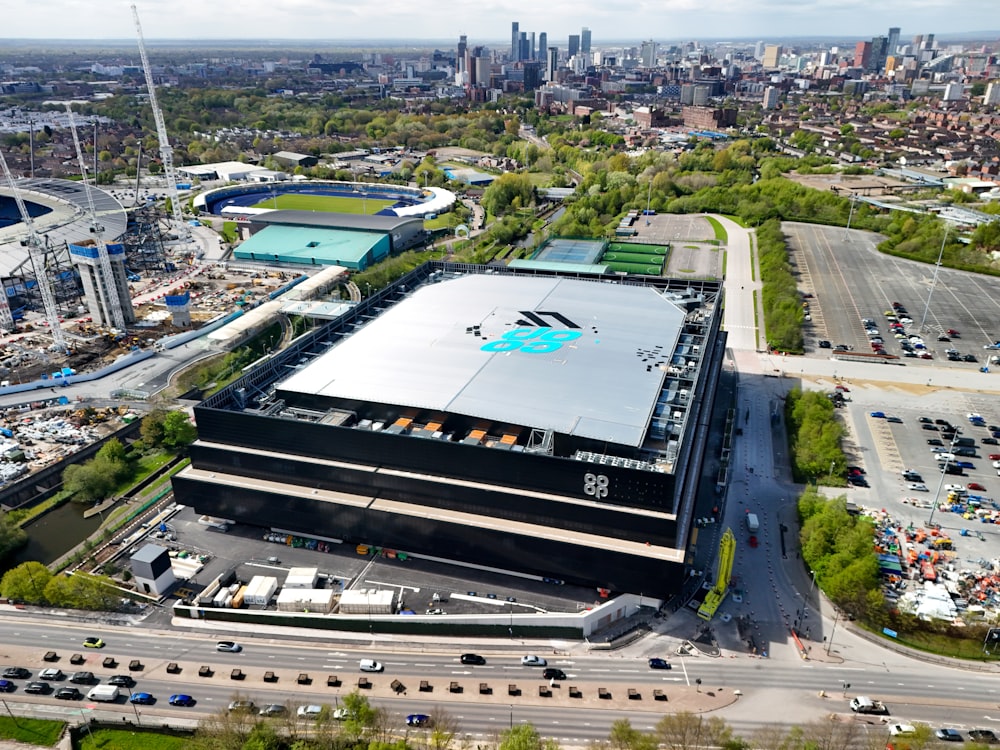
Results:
34 244
166 150
110 285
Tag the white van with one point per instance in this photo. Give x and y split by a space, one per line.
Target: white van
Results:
370 665
104 693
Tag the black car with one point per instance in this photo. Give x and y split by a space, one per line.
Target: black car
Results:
842 348
472 659
989 441
16 673
38 688
970 358
985 736
924 420
934 441
553 674
82 678
926 426
121 680
824 344
68 694
944 422
857 481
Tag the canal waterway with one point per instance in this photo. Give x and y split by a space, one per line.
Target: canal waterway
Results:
56 533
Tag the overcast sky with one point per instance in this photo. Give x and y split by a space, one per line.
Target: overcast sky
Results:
485 21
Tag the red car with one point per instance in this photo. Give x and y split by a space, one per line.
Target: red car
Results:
843 388
753 541
975 486
995 457
952 332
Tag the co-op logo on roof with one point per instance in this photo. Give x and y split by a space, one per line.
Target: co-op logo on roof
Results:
535 335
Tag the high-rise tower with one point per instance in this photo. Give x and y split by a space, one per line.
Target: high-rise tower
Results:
515 41
543 43
893 41
585 40
574 45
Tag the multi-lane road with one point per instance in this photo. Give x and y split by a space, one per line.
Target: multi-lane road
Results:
913 690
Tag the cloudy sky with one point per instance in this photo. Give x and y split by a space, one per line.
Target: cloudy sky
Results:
489 20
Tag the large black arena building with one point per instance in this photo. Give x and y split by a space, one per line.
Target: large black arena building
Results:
531 421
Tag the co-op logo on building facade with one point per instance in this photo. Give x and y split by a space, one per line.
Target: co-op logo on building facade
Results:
535 334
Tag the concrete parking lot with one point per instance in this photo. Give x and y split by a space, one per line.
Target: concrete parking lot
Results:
851 280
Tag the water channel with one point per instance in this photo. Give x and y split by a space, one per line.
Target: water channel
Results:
56 533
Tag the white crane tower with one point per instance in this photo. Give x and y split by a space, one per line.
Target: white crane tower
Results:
37 254
111 287
166 150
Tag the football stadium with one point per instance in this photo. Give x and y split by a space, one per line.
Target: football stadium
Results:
544 423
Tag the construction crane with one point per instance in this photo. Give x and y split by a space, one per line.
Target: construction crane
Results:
110 285
166 150
37 254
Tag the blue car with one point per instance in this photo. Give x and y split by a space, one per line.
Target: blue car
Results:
6 686
181 700
877 415
144 699
965 464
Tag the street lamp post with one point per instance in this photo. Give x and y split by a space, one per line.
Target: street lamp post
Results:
944 470
937 268
136 712
829 641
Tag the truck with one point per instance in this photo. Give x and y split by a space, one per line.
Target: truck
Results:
104 693
862 704
753 525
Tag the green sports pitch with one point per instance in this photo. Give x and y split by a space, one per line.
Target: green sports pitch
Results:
329 203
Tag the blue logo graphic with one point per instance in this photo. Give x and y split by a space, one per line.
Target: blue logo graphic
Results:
541 340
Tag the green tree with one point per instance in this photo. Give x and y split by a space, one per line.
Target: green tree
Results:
82 591
506 192
524 737
686 730
178 431
151 428
12 536
26 582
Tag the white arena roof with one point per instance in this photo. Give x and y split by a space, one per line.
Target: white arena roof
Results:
575 357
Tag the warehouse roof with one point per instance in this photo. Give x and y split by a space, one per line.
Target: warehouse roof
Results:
572 356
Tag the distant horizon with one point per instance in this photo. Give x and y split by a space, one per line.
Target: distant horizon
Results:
612 22
944 37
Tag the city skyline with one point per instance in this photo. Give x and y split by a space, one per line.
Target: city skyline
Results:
489 20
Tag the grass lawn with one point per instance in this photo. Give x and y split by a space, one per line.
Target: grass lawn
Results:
330 203
540 179
720 231
31 731
438 222
121 739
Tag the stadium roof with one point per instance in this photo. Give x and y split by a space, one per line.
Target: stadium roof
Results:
576 357
332 220
69 220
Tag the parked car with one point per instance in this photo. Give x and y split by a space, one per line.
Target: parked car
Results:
989 441
948 735
975 486
82 678
38 688
935 442
986 736
472 659
877 415
6 686
273 709
931 427
918 486
181 700
15 673
824 344
51 673
309 712
894 420
533 661
68 694
242 705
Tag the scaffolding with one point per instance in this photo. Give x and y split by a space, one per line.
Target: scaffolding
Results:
143 240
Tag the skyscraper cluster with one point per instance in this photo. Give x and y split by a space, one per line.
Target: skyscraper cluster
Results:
523 47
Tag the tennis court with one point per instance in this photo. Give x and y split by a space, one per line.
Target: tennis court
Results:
571 250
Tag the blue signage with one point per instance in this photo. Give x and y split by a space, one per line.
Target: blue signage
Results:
541 340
